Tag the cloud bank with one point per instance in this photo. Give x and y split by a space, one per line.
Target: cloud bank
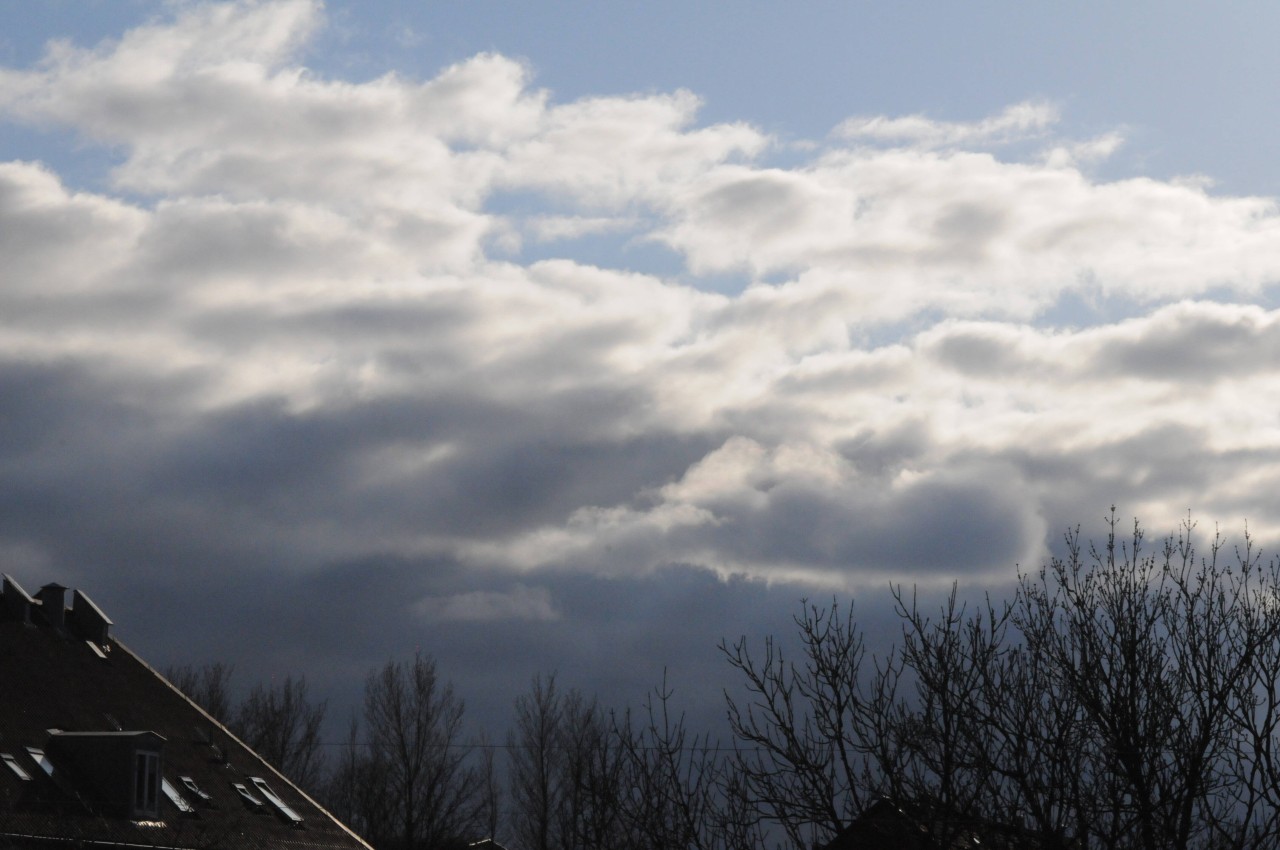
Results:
305 324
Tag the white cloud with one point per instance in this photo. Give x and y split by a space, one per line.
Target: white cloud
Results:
610 151
884 232
1086 152
133 88
1020 121
309 296
56 242
892 233
552 228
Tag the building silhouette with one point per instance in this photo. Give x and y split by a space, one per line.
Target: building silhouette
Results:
98 750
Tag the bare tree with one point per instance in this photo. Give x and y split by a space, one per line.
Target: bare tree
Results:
566 772
536 769
208 686
820 738
357 792
417 751
1169 660
677 789
490 808
283 726
1122 699
593 770
944 725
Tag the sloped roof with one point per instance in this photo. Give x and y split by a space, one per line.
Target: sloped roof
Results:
921 825
53 679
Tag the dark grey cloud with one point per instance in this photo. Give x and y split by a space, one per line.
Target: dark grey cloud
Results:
985 352
963 524
615 638
965 230
883 453
301 406
1160 476
160 516
1195 344
77 443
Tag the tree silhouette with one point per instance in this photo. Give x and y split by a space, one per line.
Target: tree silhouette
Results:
283 726
420 761
1121 699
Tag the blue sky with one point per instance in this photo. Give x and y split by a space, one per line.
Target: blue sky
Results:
1190 83
534 334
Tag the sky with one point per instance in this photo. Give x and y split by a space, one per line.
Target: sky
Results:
578 337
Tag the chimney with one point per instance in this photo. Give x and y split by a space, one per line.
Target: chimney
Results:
89 621
53 604
17 603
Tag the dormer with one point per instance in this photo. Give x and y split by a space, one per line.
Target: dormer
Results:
123 769
17 602
88 620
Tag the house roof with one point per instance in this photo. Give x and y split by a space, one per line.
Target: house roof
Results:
71 699
923 825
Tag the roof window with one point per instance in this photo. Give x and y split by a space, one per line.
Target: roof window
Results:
248 798
176 798
190 785
274 799
38 756
12 764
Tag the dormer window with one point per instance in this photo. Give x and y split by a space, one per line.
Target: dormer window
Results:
146 783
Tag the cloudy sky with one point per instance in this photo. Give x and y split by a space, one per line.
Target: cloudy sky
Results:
576 337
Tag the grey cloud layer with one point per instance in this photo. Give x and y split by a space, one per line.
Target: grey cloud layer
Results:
298 331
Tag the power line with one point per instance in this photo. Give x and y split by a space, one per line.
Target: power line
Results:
718 748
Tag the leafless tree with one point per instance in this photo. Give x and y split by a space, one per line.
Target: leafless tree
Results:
1122 699
593 770
819 738
566 771
536 769
209 686
283 726
677 790
356 789
1168 660
421 760
490 807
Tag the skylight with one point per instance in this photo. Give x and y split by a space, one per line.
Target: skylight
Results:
249 800
190 785
13 765
38 756
281 806
176 798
